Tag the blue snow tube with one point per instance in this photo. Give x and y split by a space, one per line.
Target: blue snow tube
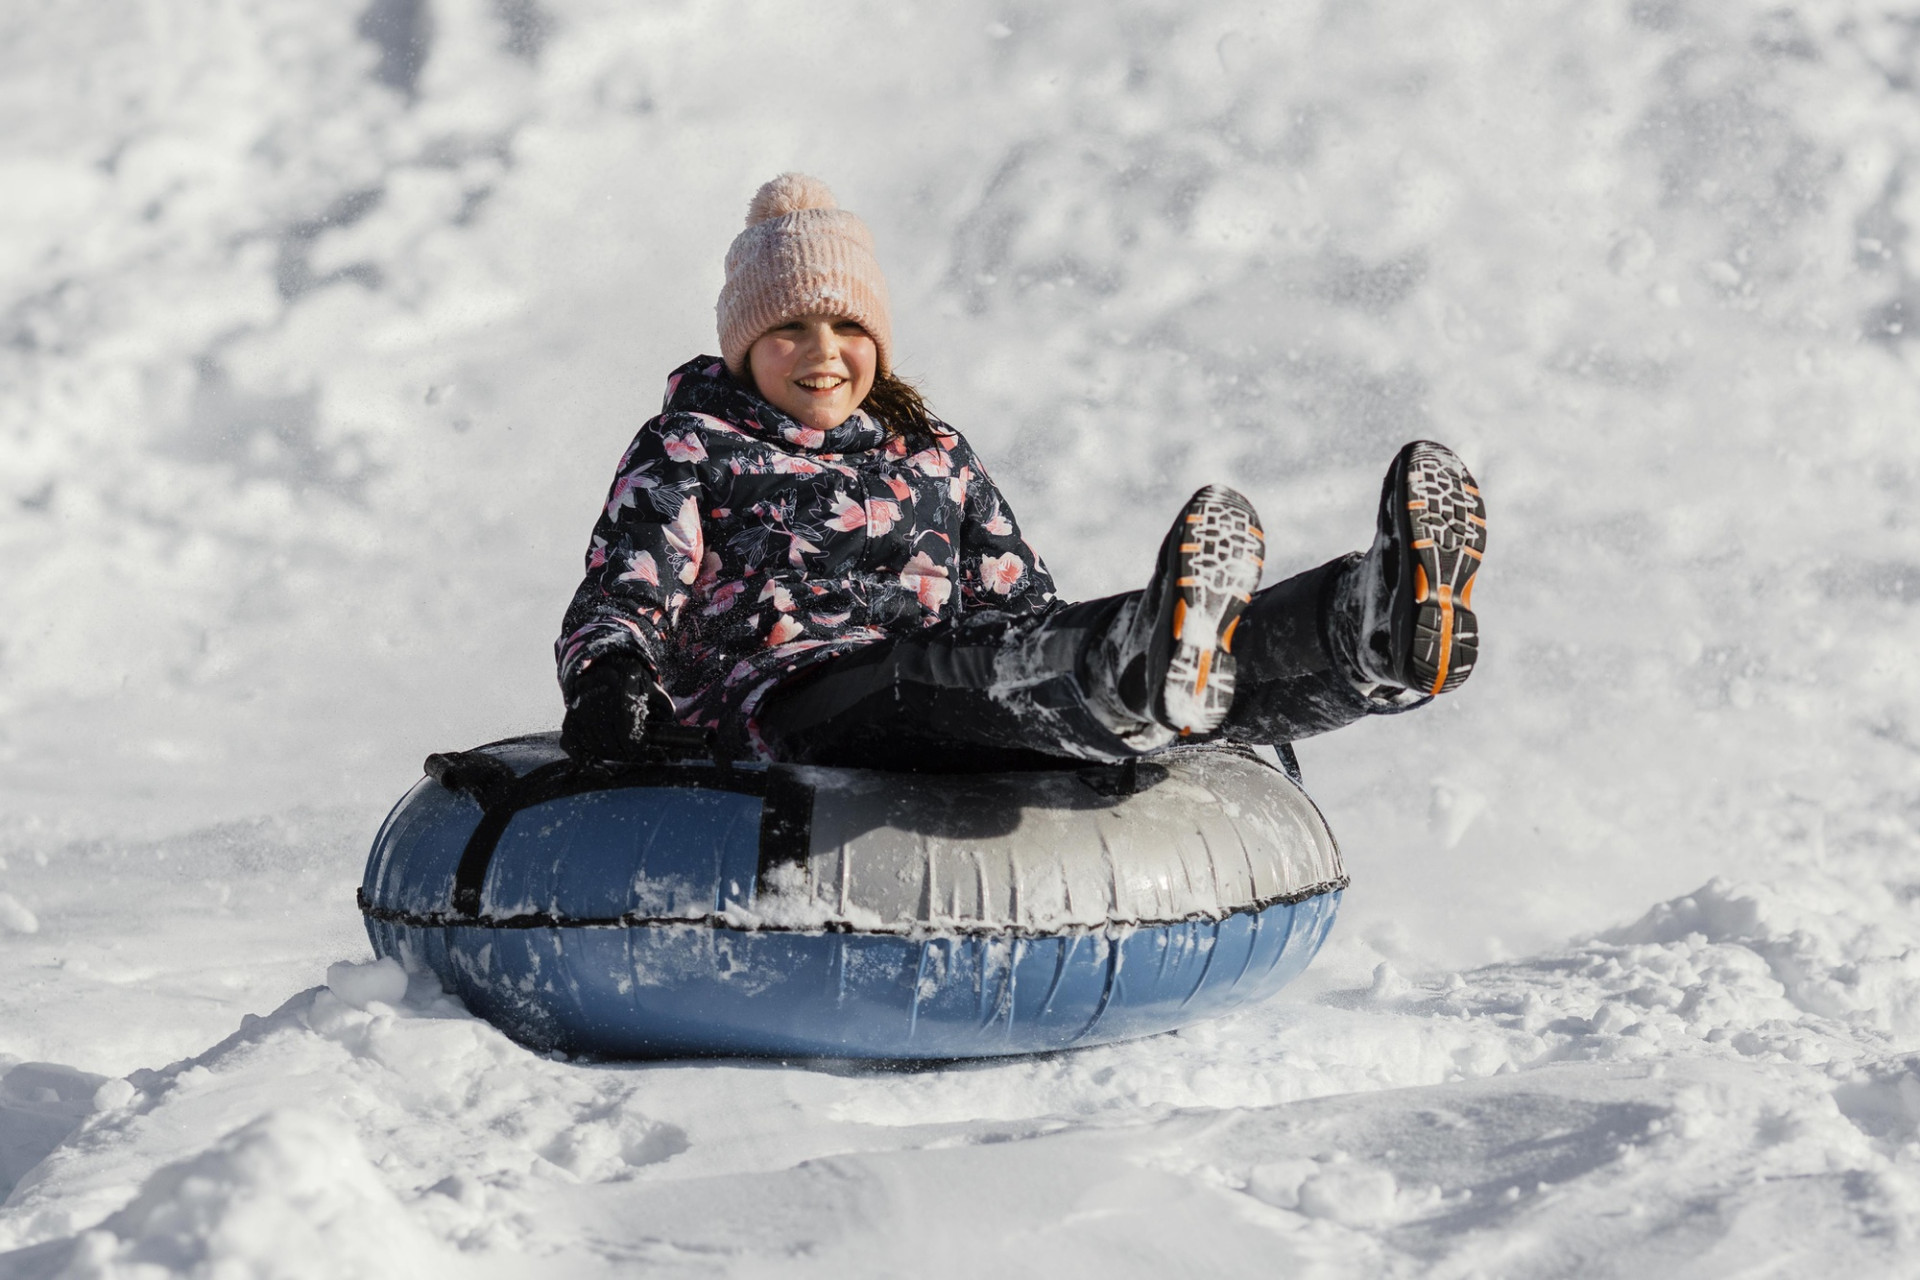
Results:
698 907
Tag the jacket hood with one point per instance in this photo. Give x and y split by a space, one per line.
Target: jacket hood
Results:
703 385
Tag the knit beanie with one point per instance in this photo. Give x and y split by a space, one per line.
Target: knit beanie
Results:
801 254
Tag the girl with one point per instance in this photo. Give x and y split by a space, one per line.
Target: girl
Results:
799 556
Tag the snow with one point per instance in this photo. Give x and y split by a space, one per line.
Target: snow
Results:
317 356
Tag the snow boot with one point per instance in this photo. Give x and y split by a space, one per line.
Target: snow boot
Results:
1403 613
1165 668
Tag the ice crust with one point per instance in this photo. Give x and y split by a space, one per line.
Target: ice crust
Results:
321 331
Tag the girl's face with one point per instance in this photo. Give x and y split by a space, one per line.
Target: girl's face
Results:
816 368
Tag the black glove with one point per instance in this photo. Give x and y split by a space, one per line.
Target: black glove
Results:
609 702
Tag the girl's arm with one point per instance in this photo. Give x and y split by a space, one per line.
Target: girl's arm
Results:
998 569
646 552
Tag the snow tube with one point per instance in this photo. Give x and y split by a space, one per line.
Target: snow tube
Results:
699 907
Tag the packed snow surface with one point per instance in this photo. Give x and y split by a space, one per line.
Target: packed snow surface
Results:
321 328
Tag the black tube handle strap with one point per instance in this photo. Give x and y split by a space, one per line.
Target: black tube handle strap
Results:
786 823
470 773
471 875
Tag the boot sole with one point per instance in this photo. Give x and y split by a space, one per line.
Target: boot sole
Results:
1444 528
1214 566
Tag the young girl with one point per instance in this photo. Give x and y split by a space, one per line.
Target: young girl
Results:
798 555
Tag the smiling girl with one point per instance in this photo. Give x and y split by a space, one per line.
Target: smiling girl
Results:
799 556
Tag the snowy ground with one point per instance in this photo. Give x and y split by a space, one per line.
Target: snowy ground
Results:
321 330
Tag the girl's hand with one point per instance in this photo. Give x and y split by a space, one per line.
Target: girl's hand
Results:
608 706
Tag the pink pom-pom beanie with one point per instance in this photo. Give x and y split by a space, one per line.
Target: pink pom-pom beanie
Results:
801 254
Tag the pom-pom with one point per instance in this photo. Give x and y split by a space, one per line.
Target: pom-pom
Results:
789 193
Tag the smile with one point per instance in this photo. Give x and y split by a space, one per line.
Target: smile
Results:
821 382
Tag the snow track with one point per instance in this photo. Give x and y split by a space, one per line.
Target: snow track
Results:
320 333
1717 1088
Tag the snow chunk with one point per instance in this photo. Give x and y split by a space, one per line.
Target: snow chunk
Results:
113 1095
383 981
1338 1189
1353 1195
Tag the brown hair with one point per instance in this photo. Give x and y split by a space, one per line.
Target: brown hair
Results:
901 409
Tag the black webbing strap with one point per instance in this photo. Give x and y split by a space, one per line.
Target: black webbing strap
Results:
473 773
786 819
548 782
786 822
1291 763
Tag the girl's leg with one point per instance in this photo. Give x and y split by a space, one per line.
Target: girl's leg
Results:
1294 682
1315 652
1103 680
994 694
986 694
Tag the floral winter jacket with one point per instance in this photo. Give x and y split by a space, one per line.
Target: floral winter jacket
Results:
738 547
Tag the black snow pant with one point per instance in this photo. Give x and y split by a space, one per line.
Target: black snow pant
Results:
987 693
